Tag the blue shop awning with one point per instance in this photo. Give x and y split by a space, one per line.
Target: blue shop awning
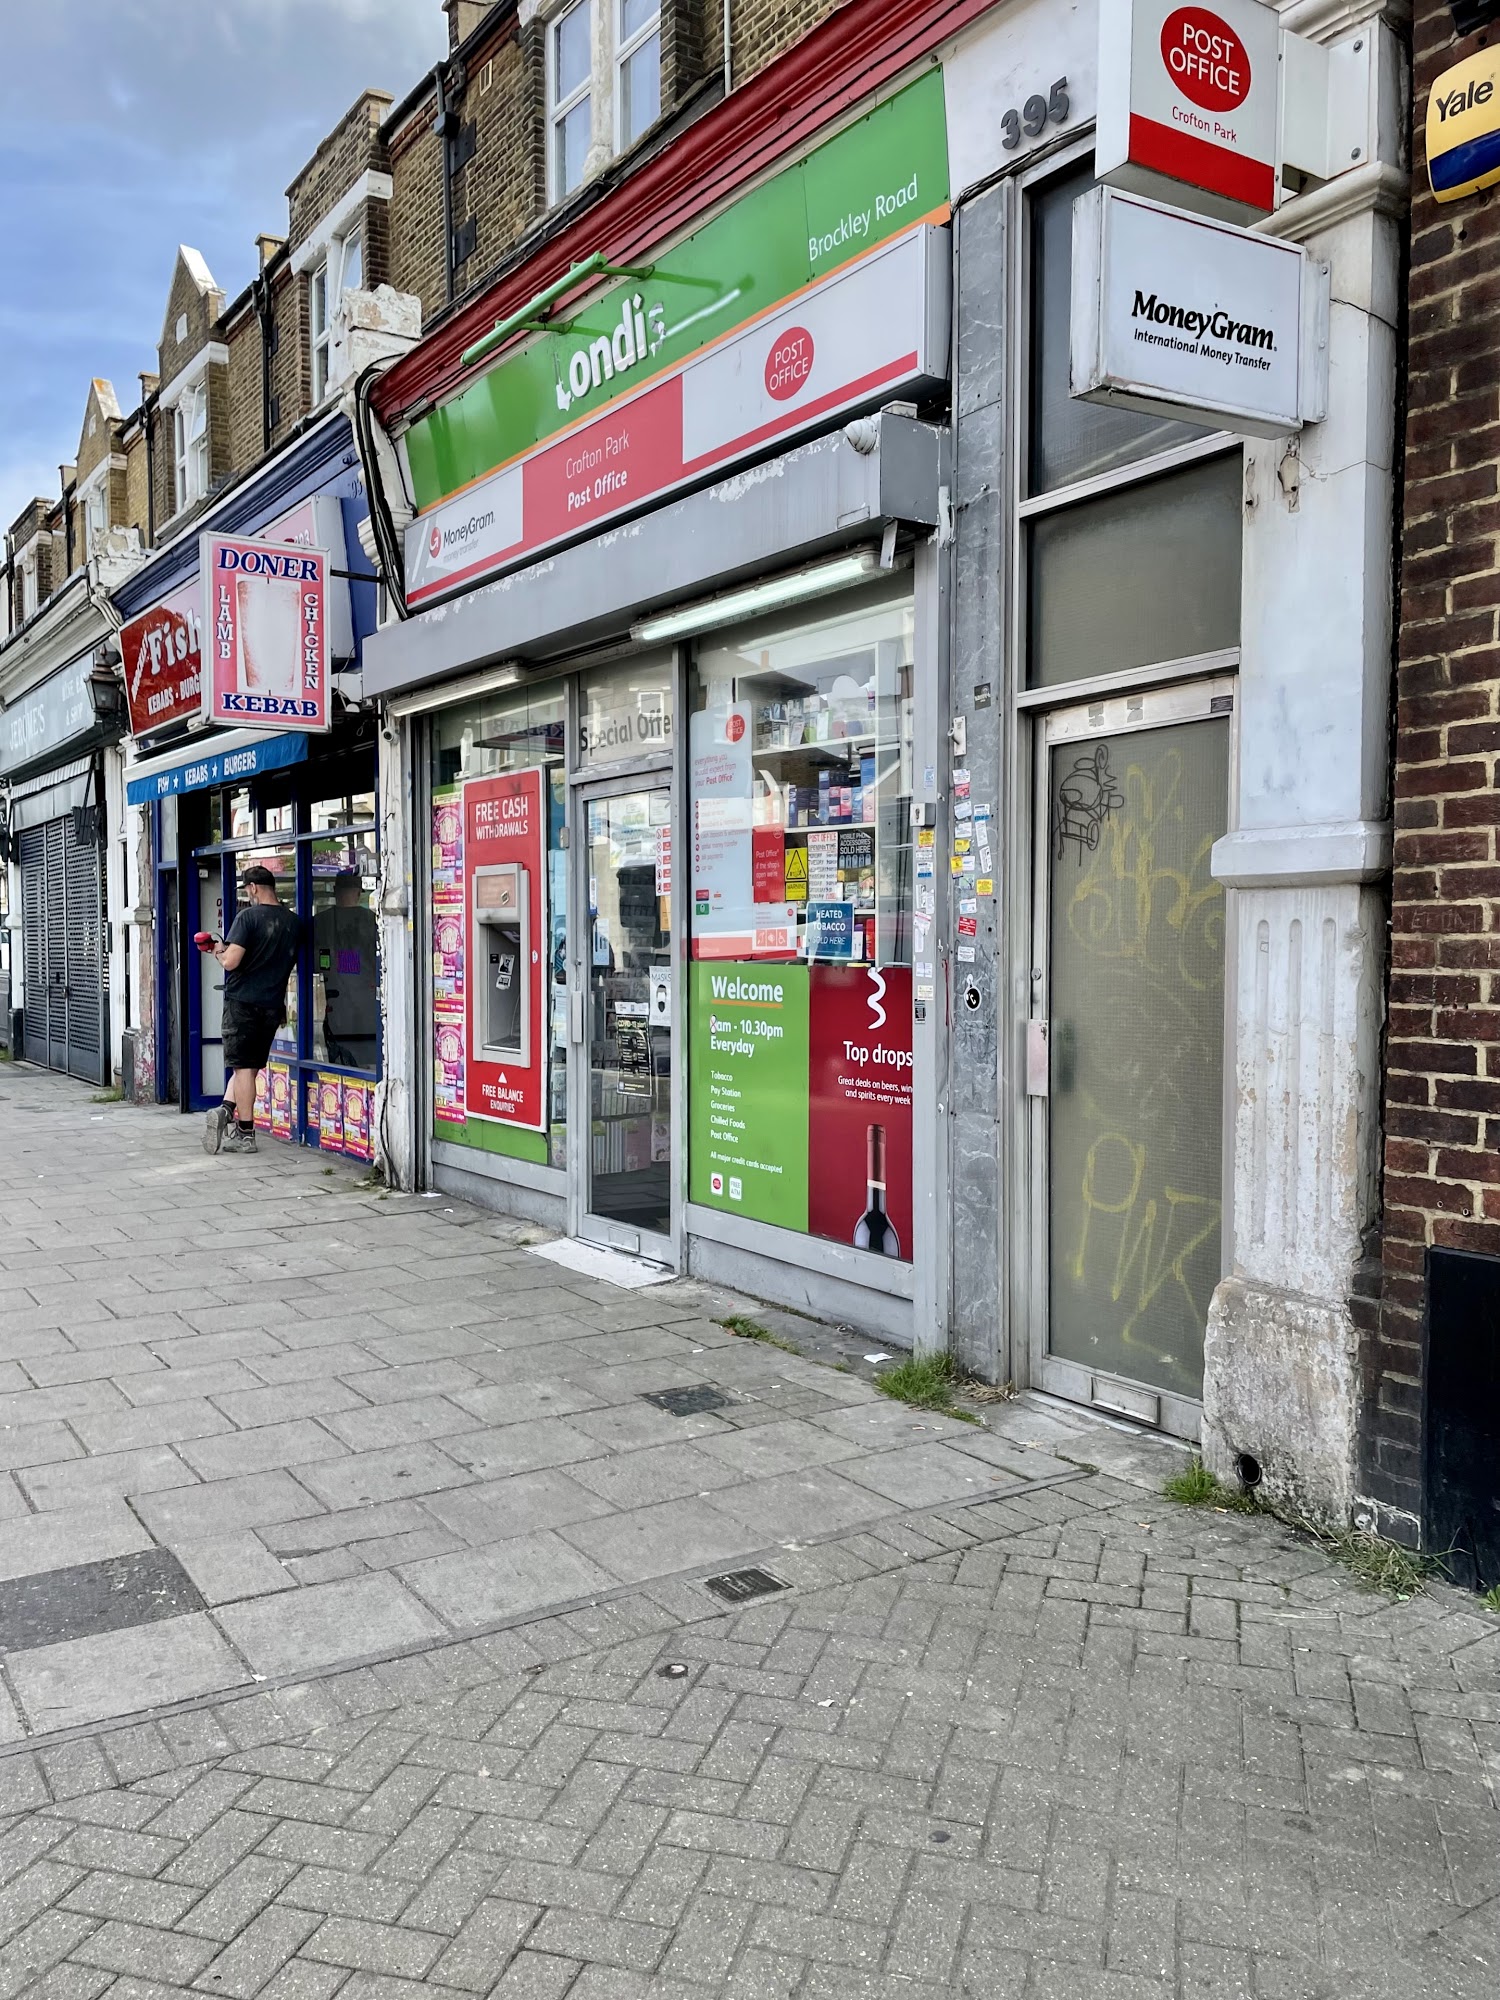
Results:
228 758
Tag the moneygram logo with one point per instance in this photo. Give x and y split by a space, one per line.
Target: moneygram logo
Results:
446 543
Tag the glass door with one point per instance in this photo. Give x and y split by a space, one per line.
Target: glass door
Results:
1126 1052
628 994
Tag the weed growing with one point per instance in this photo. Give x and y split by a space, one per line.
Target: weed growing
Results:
1377 1564
925 1382
751 1329
1491 1599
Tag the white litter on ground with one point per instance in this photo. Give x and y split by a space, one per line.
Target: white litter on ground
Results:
592 1260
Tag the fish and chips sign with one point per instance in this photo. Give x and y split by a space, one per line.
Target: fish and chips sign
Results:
265 633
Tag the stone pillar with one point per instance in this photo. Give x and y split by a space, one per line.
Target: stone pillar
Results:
1309 856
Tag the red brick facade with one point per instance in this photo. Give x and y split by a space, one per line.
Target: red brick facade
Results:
1442 1090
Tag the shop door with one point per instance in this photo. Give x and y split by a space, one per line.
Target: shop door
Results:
624 1175
1126 1048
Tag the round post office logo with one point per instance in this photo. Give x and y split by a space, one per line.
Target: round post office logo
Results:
1205 58
789 363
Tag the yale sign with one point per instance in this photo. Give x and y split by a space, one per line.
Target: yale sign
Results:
1181 316
1463 127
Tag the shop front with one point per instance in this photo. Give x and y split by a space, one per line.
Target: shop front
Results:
217 797
665 850
54 741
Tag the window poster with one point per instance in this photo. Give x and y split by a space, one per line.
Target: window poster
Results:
733 914
801 1107
448 957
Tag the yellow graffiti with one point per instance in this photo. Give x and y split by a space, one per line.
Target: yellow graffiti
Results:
1152 1251
1132 903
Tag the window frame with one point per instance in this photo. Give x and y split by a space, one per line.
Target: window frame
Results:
622 52
560 108
190 456
330 276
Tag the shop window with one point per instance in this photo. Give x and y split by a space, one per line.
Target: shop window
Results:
1073 440
801 869
1145 573
625 713
345 955
239 820
488 920
344 809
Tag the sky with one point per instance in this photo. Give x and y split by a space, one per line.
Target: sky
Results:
130 126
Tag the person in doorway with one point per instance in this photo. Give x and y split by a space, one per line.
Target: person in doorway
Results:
344 943
257 956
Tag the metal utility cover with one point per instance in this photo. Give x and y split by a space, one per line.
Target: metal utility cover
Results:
695 1401
738 1586
90 1598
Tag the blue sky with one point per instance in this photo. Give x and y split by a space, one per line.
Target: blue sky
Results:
130 126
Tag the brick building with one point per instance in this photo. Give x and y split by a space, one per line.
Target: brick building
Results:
1442 1085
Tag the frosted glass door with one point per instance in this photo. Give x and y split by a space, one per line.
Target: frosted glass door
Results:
1135 946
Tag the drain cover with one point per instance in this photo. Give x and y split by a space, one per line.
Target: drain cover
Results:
89 1598
696 1401
736 1586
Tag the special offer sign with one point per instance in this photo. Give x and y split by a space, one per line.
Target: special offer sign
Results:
1187 101
505 826
265 627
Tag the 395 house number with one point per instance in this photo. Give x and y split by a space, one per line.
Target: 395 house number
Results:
1035 115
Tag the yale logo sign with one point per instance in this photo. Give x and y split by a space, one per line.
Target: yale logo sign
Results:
1463 127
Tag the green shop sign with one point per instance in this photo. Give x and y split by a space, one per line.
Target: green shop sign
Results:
876 179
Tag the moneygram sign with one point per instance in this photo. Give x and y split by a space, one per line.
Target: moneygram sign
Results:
1187 103
1177 315
821 290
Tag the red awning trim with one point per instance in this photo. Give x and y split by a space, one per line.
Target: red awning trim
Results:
853 56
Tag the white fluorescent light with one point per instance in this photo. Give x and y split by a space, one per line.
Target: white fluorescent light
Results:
490 681
754 597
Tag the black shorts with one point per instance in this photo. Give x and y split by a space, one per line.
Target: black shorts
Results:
249 1033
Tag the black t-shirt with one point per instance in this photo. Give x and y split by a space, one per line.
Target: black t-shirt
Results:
269 935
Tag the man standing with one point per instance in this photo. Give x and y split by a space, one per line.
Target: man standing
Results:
257 957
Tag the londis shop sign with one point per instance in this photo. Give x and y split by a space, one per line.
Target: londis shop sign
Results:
823 288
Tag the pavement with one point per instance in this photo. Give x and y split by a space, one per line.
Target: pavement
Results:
357 1637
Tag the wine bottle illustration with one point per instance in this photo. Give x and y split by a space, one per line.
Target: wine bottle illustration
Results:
875 1231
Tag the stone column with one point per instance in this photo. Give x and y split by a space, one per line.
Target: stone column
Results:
1310 852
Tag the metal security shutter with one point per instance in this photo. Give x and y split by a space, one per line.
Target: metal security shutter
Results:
83 987
34 942
57 944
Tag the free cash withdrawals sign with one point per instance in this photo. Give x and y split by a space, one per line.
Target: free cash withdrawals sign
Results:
815 292
1188 103
1182 316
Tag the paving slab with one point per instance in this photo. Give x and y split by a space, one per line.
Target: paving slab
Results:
328 1622
122 1673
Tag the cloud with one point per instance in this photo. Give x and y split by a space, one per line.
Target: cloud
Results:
130 126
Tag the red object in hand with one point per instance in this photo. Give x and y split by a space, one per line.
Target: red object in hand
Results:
204 940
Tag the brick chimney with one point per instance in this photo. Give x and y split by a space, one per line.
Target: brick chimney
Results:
464 16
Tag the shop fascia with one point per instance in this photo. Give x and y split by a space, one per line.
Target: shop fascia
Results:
822 290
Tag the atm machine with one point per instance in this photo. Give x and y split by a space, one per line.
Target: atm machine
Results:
502 964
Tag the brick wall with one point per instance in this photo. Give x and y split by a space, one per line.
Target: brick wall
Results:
354 146
1442 1094
760 29
246 437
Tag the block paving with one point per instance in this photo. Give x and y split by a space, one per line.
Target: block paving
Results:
1049 1738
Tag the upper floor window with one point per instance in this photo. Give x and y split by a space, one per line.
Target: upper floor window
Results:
603 84
190 445
639 63
342 270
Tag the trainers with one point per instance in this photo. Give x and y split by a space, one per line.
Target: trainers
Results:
215 1126
236 1141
